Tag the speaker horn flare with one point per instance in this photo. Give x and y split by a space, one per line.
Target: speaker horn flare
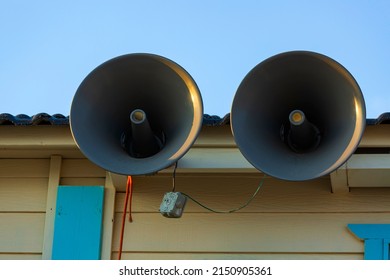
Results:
136 114
280 115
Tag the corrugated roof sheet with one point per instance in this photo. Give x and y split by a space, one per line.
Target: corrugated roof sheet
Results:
59 119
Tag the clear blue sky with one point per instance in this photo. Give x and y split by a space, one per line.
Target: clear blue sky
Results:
48 47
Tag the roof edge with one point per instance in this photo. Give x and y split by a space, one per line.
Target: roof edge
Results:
59 119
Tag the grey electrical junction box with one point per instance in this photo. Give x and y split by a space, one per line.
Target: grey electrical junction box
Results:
172 205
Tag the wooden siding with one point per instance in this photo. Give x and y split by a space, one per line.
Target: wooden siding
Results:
23 191
234 256
287 220
24 185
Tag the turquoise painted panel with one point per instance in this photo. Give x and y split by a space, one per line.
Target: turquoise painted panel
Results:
365 231
376 239
78 223
386 249
373 249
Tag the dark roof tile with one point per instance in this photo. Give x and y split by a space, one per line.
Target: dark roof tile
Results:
59 119
382 119
216 120
38 119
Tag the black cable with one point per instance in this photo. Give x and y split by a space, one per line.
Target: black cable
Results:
174 177
232 210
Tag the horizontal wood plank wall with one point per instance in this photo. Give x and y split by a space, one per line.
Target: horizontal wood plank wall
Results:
23 192
232 256
287 220
81 172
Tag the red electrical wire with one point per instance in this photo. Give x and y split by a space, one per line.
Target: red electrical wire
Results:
129 195
130 186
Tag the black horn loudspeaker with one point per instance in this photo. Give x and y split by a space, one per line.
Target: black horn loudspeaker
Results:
298 115
136 114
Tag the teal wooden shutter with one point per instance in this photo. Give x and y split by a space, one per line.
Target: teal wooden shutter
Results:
78 223
376 240
386 251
